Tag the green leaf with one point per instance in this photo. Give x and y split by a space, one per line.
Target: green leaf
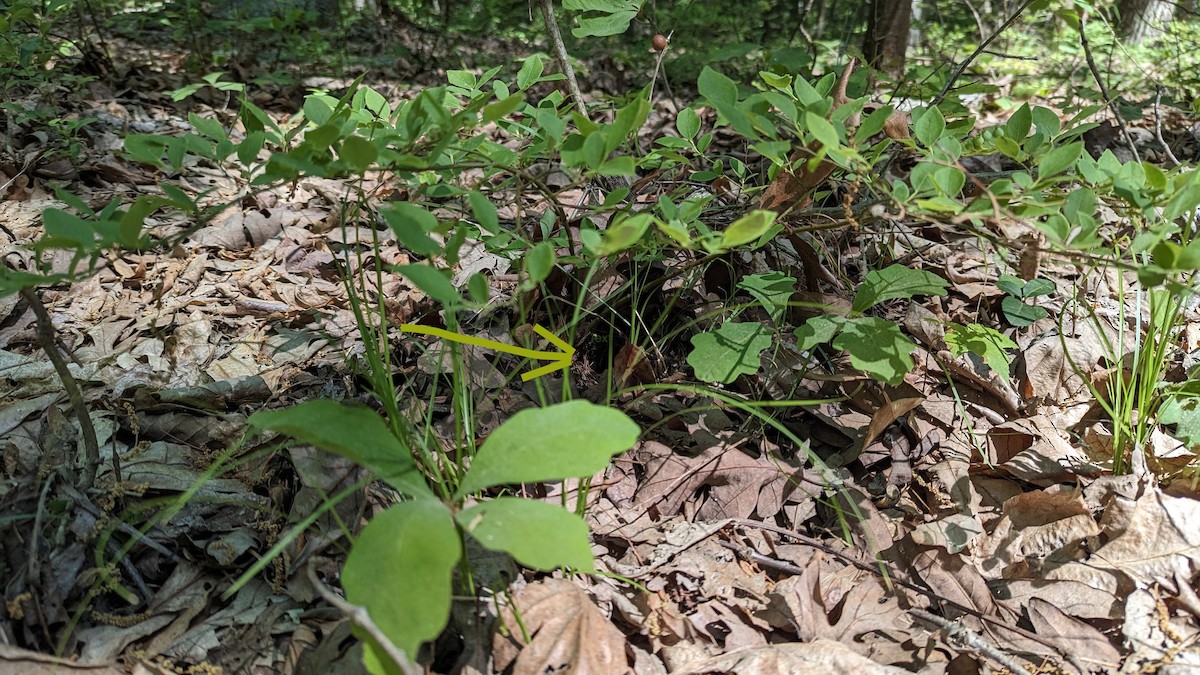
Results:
485 211
352 431
210 128
538 535
432 282
817 331
1011 285
539 260
531 69
822 130
731 350
1036 287
1047 121
411 223
477 287
896 281
359 153
688 123
987 343
748 228
401 569
1059 160
567 440
877 347
248 149
602 17
722 93
929 127
1018 125
626 233
1020 314
502 108
772 289
873 123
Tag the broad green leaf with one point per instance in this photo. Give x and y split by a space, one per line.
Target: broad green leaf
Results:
401 570
602 17
502 108
210 128
352 431
1059 160
1036 287
538 535
731 350
1047 121
822 130
431 282
531 69
538 262
748 228
567 440
772 289
411 223
249 148
929 127
1019 313
896 281
1011 285
1019 124
722 93
359 153
817 331
877 347
628 232
485 211
873 123
988 344
688 123
477 287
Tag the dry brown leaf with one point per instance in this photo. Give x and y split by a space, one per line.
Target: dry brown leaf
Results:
820 656
860 611
1072 636
568 634
724 482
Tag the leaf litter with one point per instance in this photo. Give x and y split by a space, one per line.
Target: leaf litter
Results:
960 519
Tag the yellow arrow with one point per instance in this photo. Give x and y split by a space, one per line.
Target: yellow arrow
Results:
560 360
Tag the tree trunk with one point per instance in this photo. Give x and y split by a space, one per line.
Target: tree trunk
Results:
1143 20
886 42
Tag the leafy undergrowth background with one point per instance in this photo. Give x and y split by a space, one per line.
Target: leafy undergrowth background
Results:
957 517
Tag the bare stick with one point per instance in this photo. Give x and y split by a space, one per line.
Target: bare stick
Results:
359 617
971 640
1158 126
45 337
560 54
1108 100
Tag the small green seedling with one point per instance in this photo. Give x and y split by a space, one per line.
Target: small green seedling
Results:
1016 310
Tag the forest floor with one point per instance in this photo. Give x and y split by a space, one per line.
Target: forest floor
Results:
977 524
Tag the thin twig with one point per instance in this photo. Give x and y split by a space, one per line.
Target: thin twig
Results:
359 617
1108 100
971 640
962 67
1158 126
560 55
45 337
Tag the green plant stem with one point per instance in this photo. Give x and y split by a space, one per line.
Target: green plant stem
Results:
45 336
